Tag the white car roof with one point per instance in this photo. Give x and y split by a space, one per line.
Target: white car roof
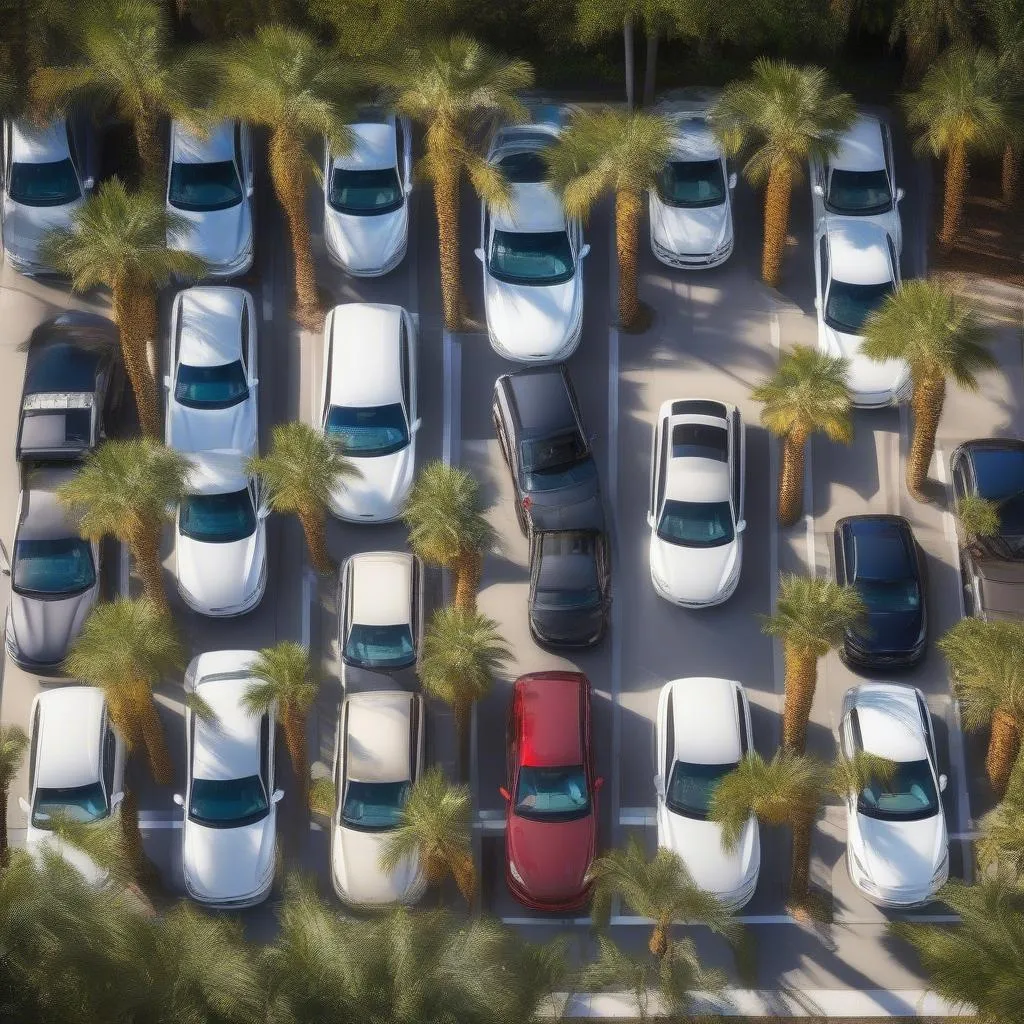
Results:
365 355
534 207
69 738
694 139
190 148
692 478
379 736
228 746
32 144
860 147
890 721
375 147
381 587
858 251
216 472
210 325
705 721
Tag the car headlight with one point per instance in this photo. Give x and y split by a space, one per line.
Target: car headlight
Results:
942 871
514 872
268 873
857 862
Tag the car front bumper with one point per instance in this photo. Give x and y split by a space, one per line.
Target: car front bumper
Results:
571 902
904 898
691 261
385 268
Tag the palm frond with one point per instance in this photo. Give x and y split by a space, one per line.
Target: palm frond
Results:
462 652
322 795
201 708
285 677
13 743
813 613
986 664
977 516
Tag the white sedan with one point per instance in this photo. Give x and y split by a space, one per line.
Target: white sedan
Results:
220 537
378 756
230 830
366 196
695 509
368 407
856 267
691 206
703 732
531 254
210 186
896 842
211 398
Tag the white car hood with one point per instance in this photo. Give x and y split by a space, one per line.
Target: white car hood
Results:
380 490
221 575
44 629
218 236
24 226
38 840
529 321
693 574
699 844
688 231
355 861
228 863
864 376
203 430
900 854
366 243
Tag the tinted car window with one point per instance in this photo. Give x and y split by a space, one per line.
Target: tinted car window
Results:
908 796
368 430
79 803
388 646
524 168
849 305
49 184
696 524
691 786
692 183
558 794
211 387
531 257
550 453
999 473
217 518
228 803
61 367
364 193
61 565
859 192
202 188
374 806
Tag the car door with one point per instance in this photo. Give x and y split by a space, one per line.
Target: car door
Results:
512 747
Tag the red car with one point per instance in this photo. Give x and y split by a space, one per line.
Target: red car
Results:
551 820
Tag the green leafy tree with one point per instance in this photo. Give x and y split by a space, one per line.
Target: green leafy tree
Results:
1000 846
13 743
1005 22
941 337
805 395
225 20
374 29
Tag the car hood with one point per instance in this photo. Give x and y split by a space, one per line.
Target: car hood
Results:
699 844
217 236
227 863
532 322
889 631
40 841
366 243
693 232
865 376
900 854
355 861
203 430
220 575
693 574
379 492
44 629
24 226
553 857
577 506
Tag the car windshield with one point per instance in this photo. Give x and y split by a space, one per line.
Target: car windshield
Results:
524 168
366 431
696 524
531 257
859 192
908 796
364 193
692 183
217 518
890 595
380 646
547 794
203 188
228 803
211 387
49 184
60 565
572 475
849 305
552 453
691 786
79 803
374 806
1000 476
580 598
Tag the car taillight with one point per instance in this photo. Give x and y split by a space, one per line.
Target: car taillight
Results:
527 502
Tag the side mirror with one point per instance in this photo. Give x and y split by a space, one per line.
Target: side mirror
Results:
819 190
408 188
167 382
479 254
255 382
250 187
277 796
263 511
650 520
584 250
899 194
179 799
943 781
89 184
598 783
732 180
116 799
741 526
24 805
817 303
505 793
416 424
659 785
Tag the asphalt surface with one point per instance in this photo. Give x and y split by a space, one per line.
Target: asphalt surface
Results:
715 334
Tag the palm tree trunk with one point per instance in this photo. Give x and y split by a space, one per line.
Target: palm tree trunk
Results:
5 852
658 943
467 570
801 675
926 402
133 326
776 224
464 874
628 205
651 67
1011 174
288 171
800 869
1003 747
314 528
627 41
147 142
147 877
956 191
441 145
144 545
791 478
143 708
294 726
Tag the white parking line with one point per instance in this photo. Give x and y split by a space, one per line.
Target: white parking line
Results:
308 580
451 427
124 582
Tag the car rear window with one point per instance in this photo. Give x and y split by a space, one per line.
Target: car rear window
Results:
700 441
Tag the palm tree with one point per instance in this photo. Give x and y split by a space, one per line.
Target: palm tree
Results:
287 682
125 649
659 888
978 962
941 337
959 110
462 652
125 62
434 827
287 81
986 665
977 517
13 742
1000 846
617 152
455 87
922 25
118 240
812 615
300 471
1005 21
780 116
447 527
807 393
128 490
